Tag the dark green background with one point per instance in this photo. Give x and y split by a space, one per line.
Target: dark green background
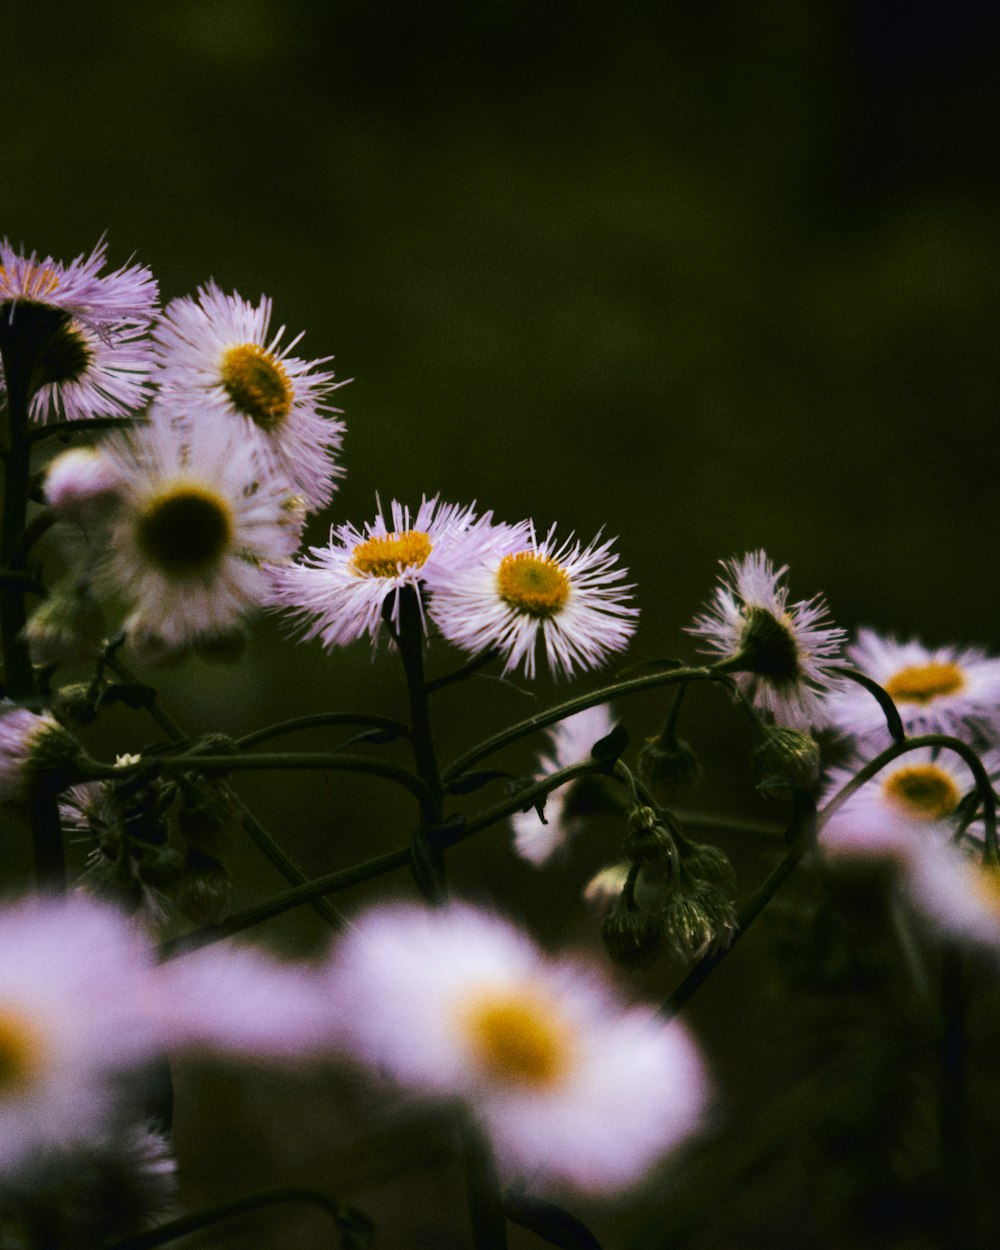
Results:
713 276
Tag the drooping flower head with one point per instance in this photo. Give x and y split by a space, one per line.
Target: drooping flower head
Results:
339 591
83 330
783 651
218 356
951 690
200 516
528 589
570 742
572 1085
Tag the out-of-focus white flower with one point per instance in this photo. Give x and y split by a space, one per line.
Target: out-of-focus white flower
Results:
220 360
573 1086
339 591
951 690
570 742
957 893
71 1022
82 485
200 518
784 651
528 589
240 1002
911 799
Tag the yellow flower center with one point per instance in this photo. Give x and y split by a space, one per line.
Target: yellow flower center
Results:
20 1053
986 882
185 530
532 584
517 1039
387 554
922 683
922 792
36 282
258 384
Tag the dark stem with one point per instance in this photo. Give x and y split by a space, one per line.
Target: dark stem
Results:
485 1198
322 720
62 429
347 1219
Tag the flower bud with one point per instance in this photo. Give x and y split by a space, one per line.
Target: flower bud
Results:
649 842
669 766
632 938
787 759
205 888
67 627
35 752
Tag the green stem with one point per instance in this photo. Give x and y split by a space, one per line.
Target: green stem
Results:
529 796
350 1223
62 429
322 720
483 1192
460 674
618 690
308 892
882 698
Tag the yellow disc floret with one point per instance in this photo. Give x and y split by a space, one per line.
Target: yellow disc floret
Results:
20 1053
922 683
922 792
386 555
258 384
533 584
184 530
517 1039
36 281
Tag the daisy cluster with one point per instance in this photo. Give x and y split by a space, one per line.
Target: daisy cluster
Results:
190 519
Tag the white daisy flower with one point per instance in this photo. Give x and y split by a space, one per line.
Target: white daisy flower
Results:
951 690
339 591
71 1022
31 745
570 742
199 519
218 356
572 1085
567 595
908 801
957 893
85 331
781 653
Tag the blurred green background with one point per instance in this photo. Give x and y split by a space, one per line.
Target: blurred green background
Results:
712 276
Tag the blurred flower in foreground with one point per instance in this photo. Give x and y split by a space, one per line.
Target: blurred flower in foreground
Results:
570 742
780 654
340 590
951 690
71 1022
566 594
219 360
572 1085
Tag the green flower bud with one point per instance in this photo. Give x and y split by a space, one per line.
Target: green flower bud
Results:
787 759
205 888
669 766
632 938
67 627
